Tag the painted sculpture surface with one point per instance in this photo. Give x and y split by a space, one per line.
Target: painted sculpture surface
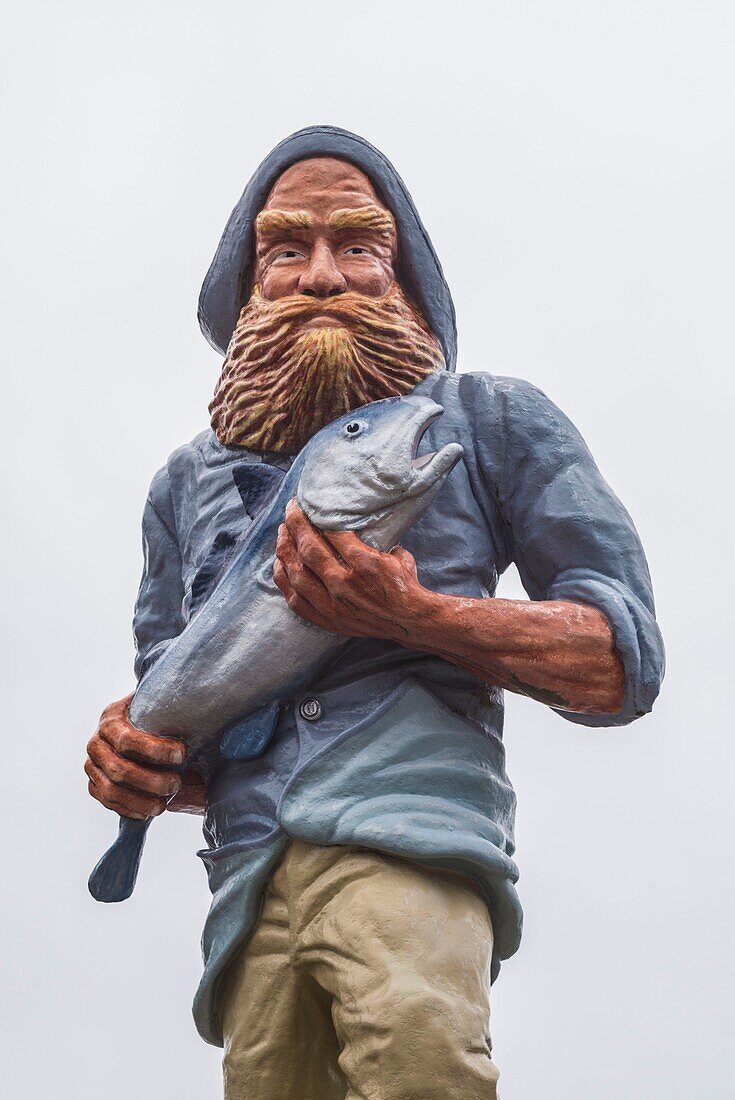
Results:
245 652
358 816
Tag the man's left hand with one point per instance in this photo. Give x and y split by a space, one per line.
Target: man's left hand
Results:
334 580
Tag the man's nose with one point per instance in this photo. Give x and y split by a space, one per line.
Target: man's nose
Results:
322 279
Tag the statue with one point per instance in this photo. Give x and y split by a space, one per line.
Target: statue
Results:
321 667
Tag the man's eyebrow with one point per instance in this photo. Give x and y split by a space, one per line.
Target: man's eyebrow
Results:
279 221
364 217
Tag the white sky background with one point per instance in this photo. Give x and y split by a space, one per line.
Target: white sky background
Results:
573 163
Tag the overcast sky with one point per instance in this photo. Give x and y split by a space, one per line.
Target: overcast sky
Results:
573 162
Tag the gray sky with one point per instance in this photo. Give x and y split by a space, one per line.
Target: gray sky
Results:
573 163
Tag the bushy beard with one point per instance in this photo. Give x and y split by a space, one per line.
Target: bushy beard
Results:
282 382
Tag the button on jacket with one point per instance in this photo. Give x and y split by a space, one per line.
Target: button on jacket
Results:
311 709
394 749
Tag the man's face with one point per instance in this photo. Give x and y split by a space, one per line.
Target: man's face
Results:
326 327
323 231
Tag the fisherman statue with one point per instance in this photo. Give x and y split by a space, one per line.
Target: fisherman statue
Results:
321 665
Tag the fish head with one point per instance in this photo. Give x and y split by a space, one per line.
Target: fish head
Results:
363 472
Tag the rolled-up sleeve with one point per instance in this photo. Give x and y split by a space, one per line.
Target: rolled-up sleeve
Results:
570 536
158 614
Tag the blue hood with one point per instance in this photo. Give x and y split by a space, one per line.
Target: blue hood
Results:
418 270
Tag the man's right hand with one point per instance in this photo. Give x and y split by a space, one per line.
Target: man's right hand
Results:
129 771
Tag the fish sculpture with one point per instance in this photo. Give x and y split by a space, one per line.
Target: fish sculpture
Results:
219 685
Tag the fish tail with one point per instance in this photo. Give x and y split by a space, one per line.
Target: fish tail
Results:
113 879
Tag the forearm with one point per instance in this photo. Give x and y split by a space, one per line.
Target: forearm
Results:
557 652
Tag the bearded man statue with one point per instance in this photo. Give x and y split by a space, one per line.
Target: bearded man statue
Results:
362 870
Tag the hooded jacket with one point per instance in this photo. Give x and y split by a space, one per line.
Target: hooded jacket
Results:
393 749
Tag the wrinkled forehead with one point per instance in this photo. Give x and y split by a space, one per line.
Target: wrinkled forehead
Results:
321 185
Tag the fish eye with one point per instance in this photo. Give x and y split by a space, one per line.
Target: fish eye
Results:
355 427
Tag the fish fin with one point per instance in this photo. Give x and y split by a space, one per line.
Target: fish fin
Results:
248 738
256 484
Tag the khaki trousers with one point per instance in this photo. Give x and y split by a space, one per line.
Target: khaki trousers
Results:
366 978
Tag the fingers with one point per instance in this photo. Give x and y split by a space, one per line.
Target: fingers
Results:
311 546
332 556
127 773
127 740
299 573
306 610
305 594
298 599
121 799
316 548
353 551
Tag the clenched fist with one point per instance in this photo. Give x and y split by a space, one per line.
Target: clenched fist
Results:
131 772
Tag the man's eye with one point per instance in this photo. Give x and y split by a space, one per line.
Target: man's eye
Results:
289 254
356 251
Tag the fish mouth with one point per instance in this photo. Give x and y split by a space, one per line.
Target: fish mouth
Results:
417 460
429 467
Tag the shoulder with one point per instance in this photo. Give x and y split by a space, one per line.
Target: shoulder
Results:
193 453
524 414
494 394
508 396
501 409
168 482
202 450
